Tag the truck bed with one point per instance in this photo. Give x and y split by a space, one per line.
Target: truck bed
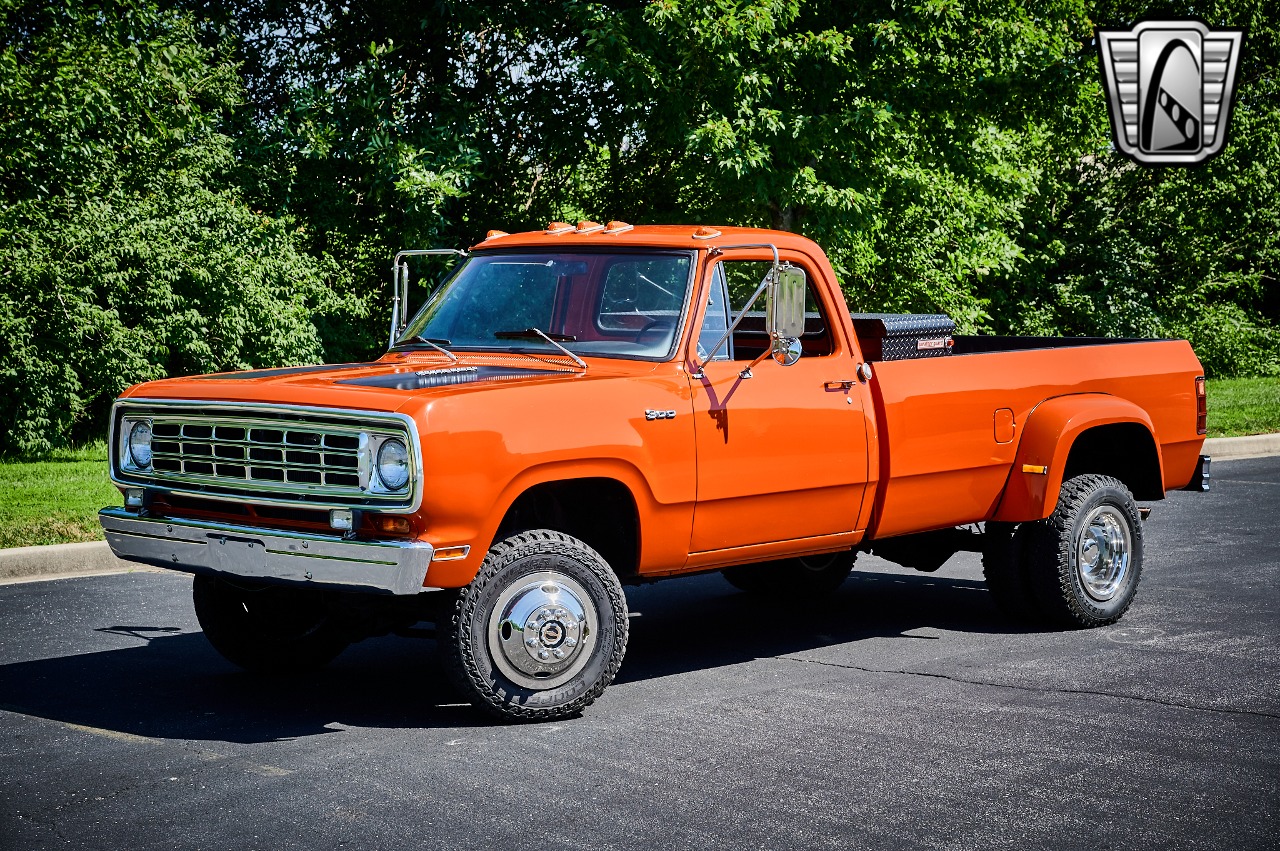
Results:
939 462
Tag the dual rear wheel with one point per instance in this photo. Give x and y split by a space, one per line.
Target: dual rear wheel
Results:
1080 567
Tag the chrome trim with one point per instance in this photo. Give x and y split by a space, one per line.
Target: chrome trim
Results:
400 283
196 546
252 491
716 251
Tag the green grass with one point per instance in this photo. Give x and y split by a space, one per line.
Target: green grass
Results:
1239 406
55 501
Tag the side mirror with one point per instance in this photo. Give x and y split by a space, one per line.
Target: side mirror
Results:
784 314
400 286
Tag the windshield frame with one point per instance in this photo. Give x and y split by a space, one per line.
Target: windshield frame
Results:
402 343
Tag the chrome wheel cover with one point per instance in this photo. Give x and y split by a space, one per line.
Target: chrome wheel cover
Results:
542 630
1104 549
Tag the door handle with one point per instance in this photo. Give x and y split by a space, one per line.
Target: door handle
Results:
846 384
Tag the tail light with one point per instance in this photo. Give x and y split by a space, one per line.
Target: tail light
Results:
1202 408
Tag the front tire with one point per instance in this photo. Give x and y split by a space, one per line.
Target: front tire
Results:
540 632
804 576
1086 558
267 628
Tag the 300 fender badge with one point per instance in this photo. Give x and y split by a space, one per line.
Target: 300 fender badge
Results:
659 415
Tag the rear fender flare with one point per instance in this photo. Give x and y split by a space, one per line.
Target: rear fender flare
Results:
1051 430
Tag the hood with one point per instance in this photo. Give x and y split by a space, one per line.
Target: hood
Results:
388 384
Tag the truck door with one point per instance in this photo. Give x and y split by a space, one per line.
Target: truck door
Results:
782 454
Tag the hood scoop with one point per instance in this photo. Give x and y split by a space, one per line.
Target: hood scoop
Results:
423 379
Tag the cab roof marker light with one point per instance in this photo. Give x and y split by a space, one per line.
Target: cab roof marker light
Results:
557 228
618 227
705 232
493 234
588 227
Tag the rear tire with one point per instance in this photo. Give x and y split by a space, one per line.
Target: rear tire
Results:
540 632
804 576
1004 566
267 628
1086 558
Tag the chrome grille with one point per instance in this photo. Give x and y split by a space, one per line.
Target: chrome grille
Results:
268 455
298 456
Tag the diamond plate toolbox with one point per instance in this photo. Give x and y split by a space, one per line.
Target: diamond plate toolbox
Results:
904 336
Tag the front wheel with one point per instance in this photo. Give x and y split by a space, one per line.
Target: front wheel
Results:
1086 558
540 632
267 628
804 576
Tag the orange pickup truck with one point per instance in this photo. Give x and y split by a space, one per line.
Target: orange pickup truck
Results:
580 408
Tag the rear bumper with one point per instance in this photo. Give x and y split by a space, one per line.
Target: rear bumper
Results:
195 546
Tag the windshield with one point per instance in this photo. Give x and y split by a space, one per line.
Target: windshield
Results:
616 304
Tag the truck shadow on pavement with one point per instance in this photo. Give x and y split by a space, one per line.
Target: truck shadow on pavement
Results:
172 685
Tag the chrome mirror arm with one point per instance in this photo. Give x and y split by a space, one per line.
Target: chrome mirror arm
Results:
400 286
699 366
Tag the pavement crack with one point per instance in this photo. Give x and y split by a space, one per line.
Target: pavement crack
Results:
1040 689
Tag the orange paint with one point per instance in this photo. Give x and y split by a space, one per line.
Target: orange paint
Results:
793 460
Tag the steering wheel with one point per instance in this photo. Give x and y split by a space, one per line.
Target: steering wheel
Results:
654 326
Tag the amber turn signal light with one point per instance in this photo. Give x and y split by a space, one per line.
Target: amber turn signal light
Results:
618 227
557 228
705 232
588 227
493 233
392 524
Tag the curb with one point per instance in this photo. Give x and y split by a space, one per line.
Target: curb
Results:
1252 446
19 563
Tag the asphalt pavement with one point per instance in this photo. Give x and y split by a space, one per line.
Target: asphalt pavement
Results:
901 713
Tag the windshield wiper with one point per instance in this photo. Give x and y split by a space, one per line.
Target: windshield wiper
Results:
535 333
436 343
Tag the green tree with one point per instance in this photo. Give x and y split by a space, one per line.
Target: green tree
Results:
1180 252
126 250
907 139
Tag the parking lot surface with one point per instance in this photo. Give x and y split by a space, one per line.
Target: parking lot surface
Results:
900 713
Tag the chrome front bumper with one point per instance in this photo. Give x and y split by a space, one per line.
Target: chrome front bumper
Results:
196 546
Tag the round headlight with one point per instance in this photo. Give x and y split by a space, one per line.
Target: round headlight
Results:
393 464
140 443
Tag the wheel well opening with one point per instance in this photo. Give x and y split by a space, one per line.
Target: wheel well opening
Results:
599 512
1125 451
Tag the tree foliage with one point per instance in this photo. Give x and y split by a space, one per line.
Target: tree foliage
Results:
129 252
212 184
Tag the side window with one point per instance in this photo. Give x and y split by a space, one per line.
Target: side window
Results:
716 320
742 277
